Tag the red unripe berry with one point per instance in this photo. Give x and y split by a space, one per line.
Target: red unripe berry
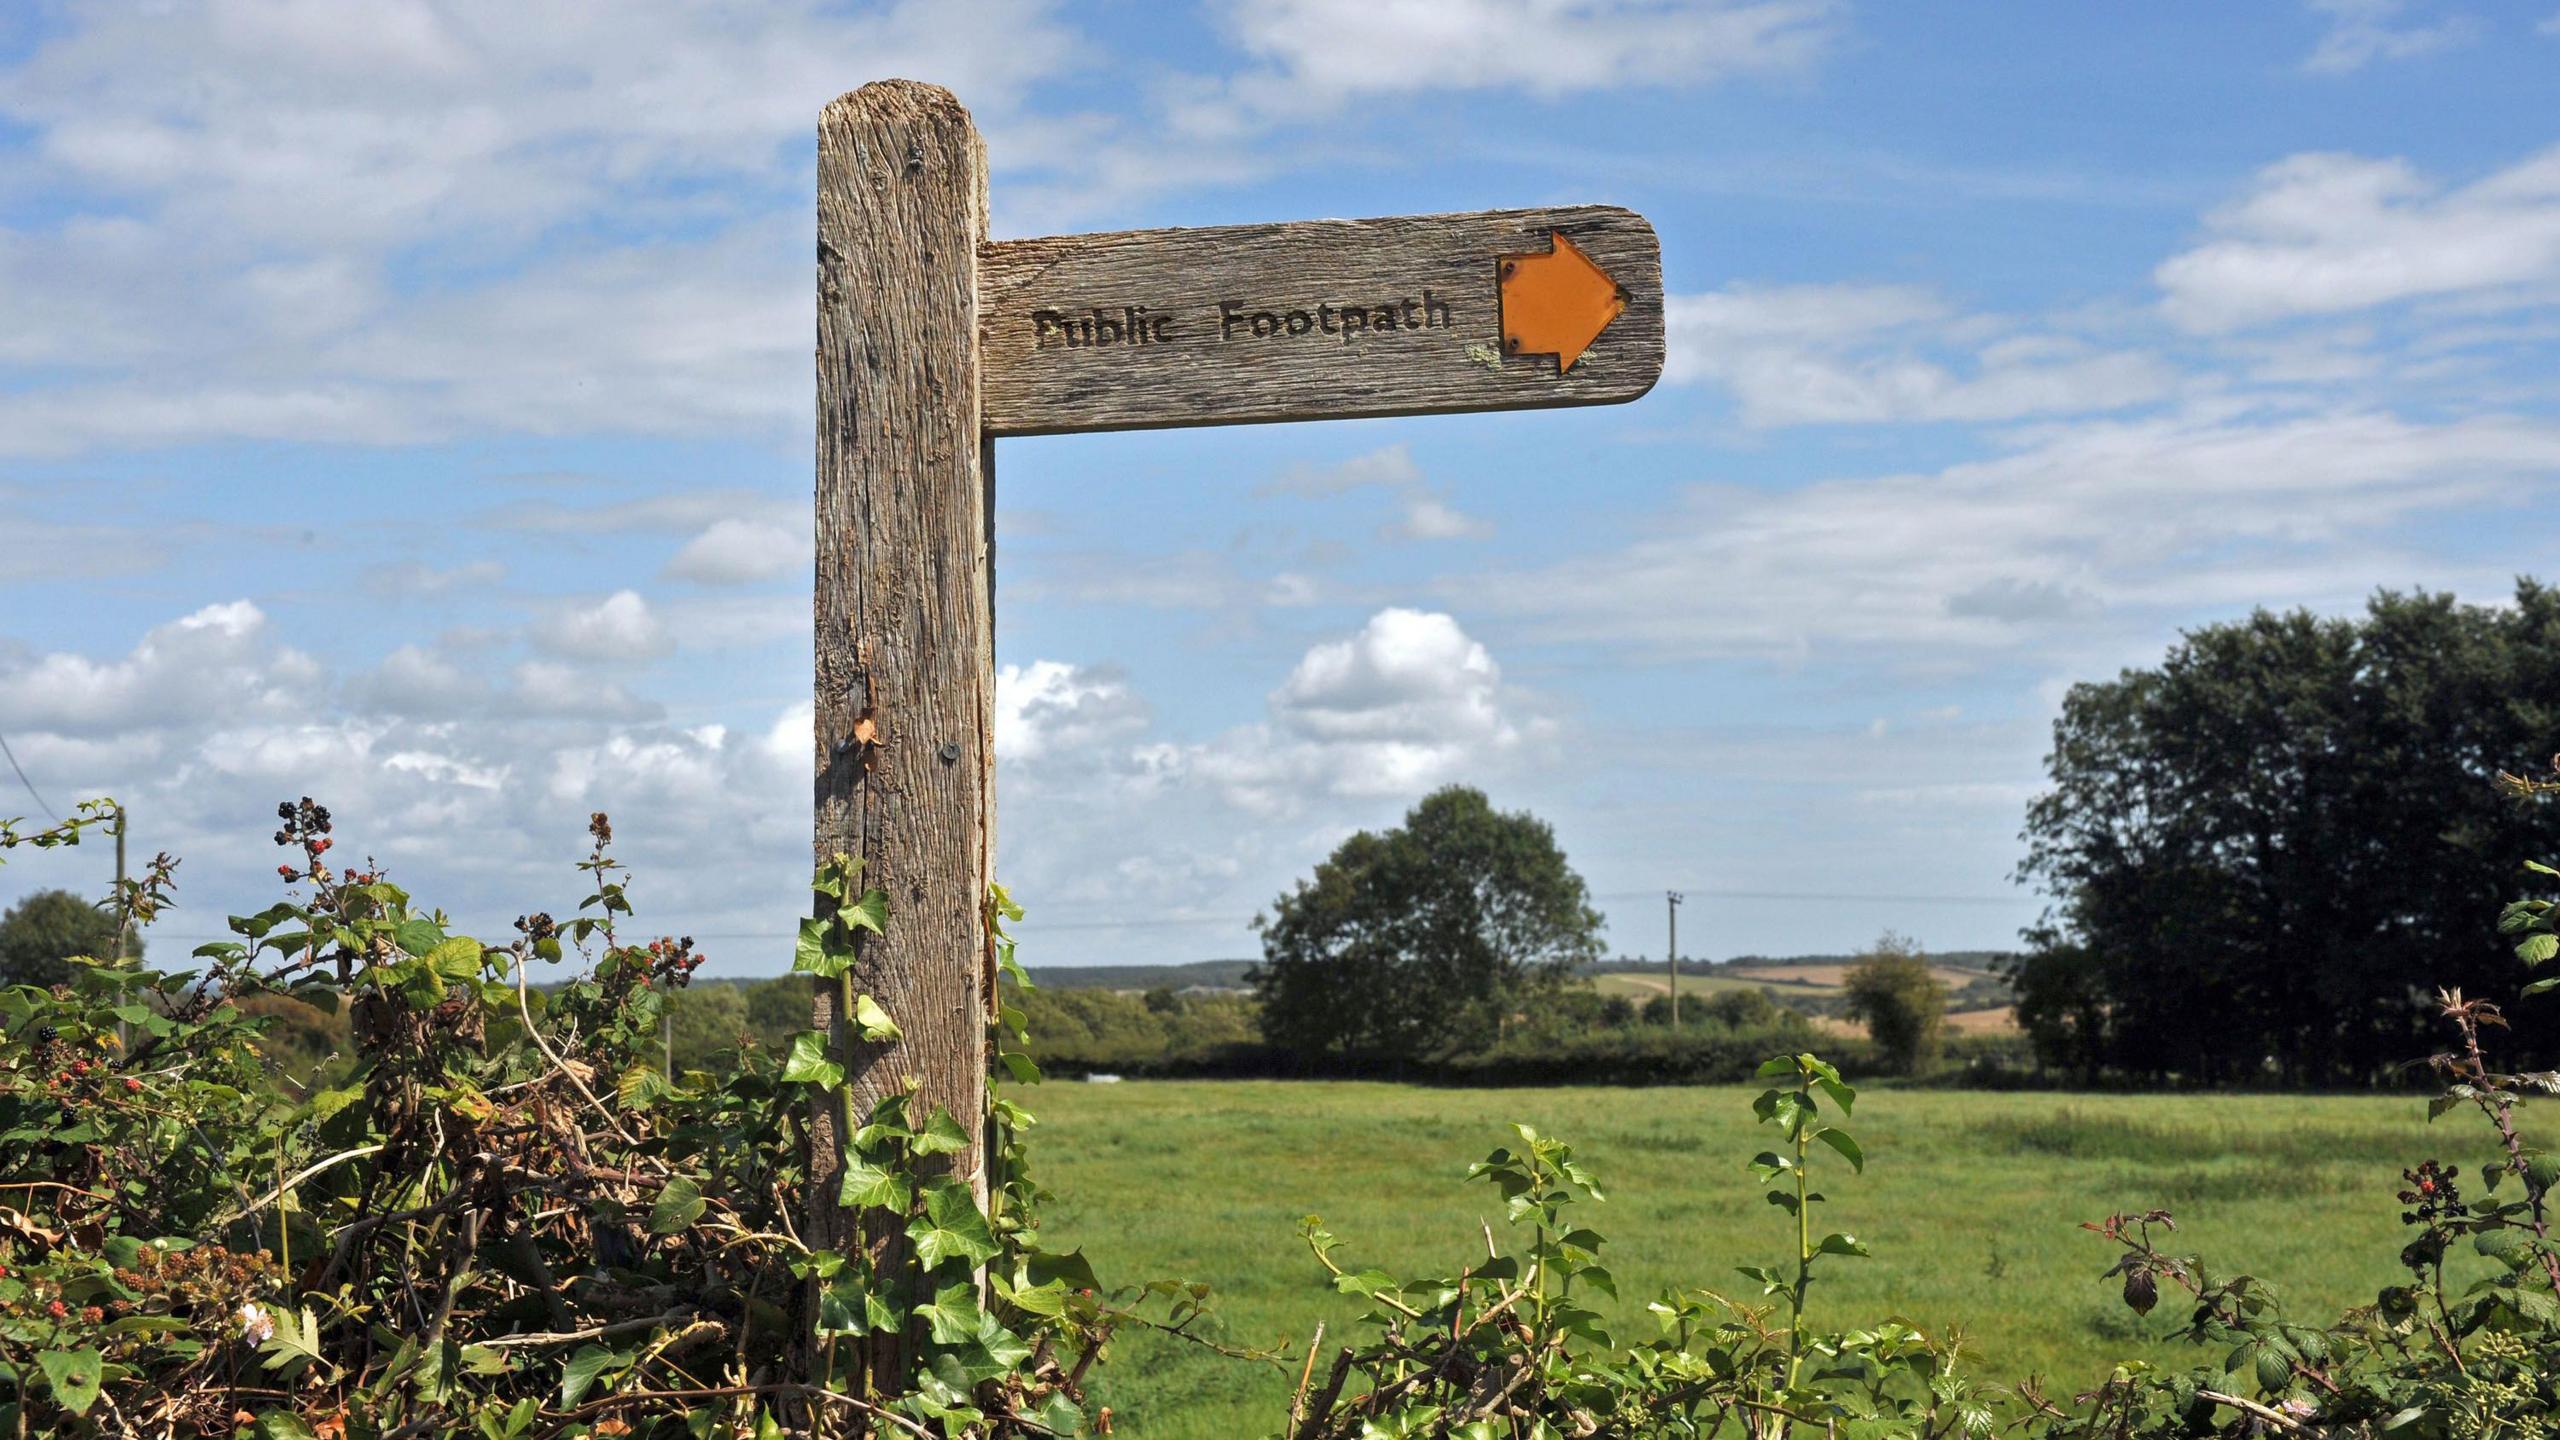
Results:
57 1309
285 871
79 1067
132 1086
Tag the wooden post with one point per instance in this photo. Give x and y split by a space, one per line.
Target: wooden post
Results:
904 614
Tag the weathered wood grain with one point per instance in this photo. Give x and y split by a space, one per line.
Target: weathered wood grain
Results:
905 634
1198 369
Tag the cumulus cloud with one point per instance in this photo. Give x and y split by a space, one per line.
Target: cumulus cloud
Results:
217 661
741 552
1867 354
2330 233
620 627
1049 707
476 792
1408 702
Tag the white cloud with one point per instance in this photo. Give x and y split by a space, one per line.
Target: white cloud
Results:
2086 533
2363 31
1049 707
1391 467
674 512
216 662
1407 703
415 682
548 688
2327 233
1423 513
409 579
1867 354
476 793
276 217
1428 517
741 552
33 549
299 119
620 627
1323 54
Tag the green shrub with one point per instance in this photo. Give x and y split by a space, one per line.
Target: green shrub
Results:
484 1207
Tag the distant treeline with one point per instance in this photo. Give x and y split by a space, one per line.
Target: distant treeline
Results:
1195 975
1987 961
1576 1037
1579 1038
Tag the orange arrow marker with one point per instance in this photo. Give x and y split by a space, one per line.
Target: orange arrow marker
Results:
1556 303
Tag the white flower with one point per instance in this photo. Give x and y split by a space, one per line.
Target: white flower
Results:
256 1325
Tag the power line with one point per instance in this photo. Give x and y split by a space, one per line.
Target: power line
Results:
1824 895
41 803
1035 924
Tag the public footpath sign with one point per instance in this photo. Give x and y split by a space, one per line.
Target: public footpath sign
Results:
933 340
1318 320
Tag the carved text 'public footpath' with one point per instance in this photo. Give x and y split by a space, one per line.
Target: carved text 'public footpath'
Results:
1098 327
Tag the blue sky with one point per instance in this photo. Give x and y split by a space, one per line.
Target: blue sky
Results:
409 405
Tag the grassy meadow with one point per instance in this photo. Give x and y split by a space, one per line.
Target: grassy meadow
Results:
1970 1202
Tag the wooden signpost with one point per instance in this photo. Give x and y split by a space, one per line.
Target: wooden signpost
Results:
933 340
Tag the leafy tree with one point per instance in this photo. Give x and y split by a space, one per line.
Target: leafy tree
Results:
2266 853
1903 1006
707 1027
777 1009
1419 939
1742 1009
40 934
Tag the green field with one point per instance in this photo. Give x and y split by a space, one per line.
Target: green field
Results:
1970 1201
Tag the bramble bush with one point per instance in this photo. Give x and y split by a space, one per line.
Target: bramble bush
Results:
497 1216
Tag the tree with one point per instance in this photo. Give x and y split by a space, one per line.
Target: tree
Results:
1417 940
707 1025
1743 1009
1903 1005
776 1009
2268 852
40 934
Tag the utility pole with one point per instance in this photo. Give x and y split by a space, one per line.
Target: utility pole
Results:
1674 897
124 912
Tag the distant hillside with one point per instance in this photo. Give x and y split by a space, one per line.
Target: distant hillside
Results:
1983 962
1978 994
1199 974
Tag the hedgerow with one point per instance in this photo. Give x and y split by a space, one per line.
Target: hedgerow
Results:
500 1217
496 1215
